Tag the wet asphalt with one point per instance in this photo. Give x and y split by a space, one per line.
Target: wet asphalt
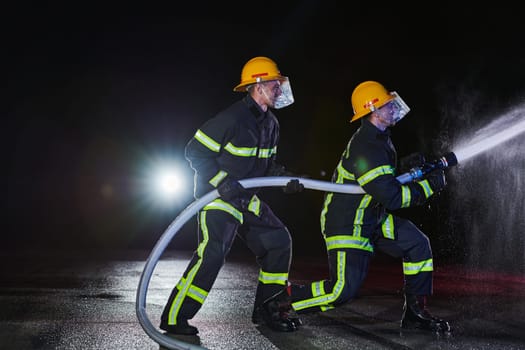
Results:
87 300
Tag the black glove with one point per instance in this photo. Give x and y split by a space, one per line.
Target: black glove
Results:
436 179
293 186
230 188
413 160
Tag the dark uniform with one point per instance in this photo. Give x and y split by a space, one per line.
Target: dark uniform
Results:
240 142
353 225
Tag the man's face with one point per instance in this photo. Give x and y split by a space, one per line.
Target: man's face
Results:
388 113
271 91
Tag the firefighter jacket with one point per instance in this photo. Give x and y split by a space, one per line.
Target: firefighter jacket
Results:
239 142
369 161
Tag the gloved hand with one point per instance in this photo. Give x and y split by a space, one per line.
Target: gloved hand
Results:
293 186
413 160
230 189
436 179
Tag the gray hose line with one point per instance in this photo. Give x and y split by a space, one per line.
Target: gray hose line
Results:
187 214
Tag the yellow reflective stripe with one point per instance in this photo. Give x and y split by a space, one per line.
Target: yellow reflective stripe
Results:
406 196
388 227
207 141
185 284
426 188
347 241
255 205
219 204
360 213
326 299
317 288
343 174
413 268
273 277
267 152
374 173
197 294
218 178
241 151
325 210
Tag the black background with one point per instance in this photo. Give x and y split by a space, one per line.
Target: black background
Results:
95 92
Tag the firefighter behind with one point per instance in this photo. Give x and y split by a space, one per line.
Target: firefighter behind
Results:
239 142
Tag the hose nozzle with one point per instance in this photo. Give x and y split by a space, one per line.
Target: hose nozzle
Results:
444 162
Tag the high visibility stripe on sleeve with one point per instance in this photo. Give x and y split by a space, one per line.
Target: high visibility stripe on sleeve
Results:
255 205
388 227
267 152
426 188
218 178
406 196
207 141
374 173
241 151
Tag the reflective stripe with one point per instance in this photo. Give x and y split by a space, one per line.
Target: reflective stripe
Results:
241 151
388 227
197 294
413 268
184 285
207 141
426 188
219 204
267 152
218 178
255 205
374 173
343 174
327 202
273 277
406 196
360 213
324 300
347 241
250 151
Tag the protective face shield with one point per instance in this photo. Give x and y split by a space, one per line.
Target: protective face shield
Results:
282 93
399 107
286 97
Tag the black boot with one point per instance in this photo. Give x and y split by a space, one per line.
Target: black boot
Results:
182 327
277 313
416 315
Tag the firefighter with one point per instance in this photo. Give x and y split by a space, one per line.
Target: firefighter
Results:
239 142
355 225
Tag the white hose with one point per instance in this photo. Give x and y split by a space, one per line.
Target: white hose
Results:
182 218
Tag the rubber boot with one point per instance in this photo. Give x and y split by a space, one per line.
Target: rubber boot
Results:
182 327
277 313
416 315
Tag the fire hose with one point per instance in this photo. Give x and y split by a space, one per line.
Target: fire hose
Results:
415 173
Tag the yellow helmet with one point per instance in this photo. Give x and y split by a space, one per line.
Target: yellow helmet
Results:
256 70
367 97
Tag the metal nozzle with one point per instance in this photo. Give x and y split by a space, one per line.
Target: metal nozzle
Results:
444 162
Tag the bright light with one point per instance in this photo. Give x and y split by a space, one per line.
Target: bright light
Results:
168 183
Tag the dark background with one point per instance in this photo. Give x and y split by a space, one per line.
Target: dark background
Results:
96 94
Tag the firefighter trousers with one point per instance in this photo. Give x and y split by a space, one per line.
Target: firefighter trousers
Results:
218 224
348 267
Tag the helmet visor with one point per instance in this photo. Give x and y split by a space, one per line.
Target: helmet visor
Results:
399 107
286 97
